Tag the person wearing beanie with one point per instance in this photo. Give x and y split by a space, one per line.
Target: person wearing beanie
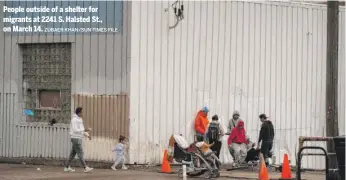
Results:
201 123
233 121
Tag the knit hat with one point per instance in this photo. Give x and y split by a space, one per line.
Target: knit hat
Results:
205 109
236 113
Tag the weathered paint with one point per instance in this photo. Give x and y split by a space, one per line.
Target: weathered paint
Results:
108 118
254 57
100 65
169 84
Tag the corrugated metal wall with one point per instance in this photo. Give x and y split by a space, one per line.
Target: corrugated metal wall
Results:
252 57
108 116
7 113
100 65
37 141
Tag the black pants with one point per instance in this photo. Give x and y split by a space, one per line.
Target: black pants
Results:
217 148
266 149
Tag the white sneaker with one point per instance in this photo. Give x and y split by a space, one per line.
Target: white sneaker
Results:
69 169
113 168
88 169
124 167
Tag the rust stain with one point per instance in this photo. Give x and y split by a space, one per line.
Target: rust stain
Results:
302 139
107 115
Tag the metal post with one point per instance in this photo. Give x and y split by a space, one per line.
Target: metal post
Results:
300 155
184 172
332 75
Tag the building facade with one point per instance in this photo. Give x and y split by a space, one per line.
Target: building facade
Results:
51 73
252 57
148 80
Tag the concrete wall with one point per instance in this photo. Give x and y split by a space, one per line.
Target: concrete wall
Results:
100 66
252 57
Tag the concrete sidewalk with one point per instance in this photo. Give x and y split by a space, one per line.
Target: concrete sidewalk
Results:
31 172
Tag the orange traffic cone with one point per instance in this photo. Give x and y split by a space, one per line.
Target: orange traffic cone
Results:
263 172
286 169
165 167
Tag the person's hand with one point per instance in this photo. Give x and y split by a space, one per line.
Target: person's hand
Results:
89 137
230 145
88 129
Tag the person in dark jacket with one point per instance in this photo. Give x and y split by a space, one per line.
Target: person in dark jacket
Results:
218 141
266 136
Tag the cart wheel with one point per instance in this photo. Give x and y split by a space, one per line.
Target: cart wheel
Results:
207 175
216 174
180 173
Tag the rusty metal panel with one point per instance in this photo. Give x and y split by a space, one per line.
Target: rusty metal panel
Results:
263 57
107 115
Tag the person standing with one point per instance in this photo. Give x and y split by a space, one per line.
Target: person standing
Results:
215 134
201 123
232 124
266 136
77 133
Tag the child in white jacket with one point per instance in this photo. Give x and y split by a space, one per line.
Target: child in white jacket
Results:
119 154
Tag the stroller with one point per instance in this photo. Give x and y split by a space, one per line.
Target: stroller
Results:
196 163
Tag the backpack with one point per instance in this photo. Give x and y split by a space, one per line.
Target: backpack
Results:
213 132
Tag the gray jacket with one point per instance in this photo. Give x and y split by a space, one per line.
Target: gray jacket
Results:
231 124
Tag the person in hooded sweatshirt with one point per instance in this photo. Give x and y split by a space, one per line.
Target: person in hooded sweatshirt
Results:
233 121
231 124
77 133
201 124
266 136
238 141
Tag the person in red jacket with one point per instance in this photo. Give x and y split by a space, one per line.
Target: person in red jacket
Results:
237 141
201 123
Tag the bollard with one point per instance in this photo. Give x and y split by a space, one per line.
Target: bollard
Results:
184 172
